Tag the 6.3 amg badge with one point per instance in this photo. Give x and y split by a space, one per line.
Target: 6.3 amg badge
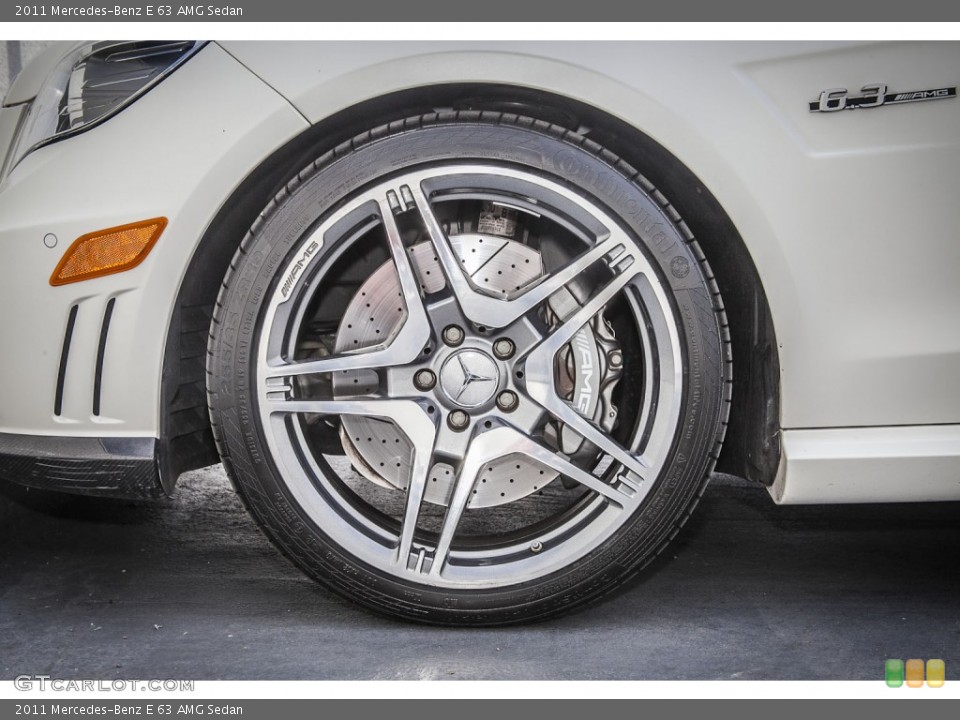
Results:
874 96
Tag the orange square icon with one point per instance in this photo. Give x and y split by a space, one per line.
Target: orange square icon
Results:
936 673
914 673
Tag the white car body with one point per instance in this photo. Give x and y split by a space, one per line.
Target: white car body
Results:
850 218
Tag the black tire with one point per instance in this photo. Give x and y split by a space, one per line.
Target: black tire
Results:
516 142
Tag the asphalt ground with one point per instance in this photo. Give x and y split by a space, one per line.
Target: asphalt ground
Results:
189 588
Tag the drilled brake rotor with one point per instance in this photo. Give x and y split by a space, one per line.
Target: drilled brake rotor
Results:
377 448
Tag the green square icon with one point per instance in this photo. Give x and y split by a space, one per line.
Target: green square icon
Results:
894 673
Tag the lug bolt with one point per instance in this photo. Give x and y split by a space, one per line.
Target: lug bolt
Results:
458 420
507 401
504 348
615 358
424 380
452 335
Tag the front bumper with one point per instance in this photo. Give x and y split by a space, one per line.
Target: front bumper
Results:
83 362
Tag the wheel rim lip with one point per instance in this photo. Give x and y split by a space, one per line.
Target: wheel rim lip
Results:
360 535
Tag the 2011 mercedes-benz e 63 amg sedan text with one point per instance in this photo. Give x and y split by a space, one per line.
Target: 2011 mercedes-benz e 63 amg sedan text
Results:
470 325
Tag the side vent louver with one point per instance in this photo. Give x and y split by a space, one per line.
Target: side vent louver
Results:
64 355
101 348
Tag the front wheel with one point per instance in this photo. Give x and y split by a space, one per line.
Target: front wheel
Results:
469 368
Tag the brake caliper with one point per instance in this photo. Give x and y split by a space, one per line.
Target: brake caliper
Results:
587 371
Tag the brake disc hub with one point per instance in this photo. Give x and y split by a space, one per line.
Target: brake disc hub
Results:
470 378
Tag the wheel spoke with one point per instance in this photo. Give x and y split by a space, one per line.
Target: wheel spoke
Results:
508 441
563 334
409 284
422 461
495 312
371 358
555 281
499 443
410 419
586 429
407 414
462 488
540 381
404 348
471 302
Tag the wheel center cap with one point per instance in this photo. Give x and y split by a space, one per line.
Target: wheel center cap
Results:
470 378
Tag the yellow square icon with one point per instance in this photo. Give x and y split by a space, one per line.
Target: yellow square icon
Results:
914 669
936 673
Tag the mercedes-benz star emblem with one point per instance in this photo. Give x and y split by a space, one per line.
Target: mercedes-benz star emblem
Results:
470 378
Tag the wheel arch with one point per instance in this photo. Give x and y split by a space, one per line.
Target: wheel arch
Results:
752 445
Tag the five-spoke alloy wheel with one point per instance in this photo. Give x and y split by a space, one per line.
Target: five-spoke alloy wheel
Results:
469 369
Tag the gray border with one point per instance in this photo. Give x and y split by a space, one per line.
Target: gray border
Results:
504 11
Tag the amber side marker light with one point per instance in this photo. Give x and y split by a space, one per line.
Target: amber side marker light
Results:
109 251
